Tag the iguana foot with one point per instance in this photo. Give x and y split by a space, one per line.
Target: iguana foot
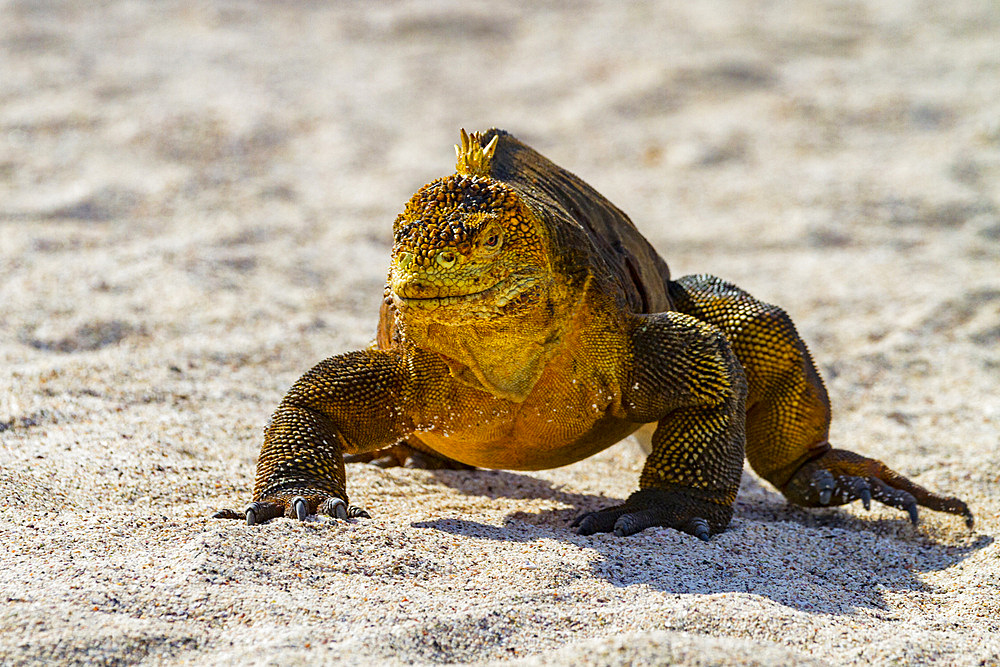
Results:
296 507
656 507
405 455
840 476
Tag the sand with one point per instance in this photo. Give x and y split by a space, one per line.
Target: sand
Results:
195 207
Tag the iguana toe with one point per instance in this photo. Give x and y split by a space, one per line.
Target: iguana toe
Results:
334 507
699 528
862 490
600 521
634 522
898 498
358 513
824 484
261 511
338 509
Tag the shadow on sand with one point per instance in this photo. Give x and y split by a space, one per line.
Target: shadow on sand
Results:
820 561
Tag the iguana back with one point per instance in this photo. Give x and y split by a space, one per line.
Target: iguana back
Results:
626 257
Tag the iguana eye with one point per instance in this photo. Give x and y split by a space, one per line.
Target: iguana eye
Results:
446 259
492 241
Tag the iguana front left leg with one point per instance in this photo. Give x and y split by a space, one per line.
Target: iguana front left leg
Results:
685 377
350 403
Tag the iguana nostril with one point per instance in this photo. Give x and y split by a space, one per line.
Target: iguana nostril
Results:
405 260
447 259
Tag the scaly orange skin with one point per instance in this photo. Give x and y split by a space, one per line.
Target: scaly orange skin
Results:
526 325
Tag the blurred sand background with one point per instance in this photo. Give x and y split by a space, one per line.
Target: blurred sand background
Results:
195 207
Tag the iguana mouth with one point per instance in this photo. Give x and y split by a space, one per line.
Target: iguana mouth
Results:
445 299
504 291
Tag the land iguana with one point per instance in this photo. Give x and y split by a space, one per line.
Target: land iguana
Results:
527 324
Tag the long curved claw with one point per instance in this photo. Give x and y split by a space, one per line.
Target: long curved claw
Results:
301 508
230 514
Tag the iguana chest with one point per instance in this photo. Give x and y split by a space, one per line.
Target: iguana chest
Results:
573 410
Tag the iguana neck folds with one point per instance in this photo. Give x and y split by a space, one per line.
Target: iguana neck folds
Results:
504 357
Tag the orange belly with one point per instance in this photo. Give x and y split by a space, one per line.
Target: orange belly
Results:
530 447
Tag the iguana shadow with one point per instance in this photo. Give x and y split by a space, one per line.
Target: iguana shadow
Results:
817 561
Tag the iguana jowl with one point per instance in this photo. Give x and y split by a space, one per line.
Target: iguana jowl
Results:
526 324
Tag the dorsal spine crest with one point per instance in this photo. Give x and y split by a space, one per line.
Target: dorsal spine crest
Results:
473 159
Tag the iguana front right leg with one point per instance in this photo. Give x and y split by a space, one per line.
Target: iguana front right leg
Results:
350 403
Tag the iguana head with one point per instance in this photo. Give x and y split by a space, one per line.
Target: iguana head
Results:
466 248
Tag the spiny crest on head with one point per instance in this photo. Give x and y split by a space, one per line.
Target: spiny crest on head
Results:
451 210
473 159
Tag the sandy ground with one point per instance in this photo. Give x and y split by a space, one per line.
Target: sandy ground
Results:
195 207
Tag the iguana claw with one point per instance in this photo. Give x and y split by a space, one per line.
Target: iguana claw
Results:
301 508
864 492
840 476
338 509
887 495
